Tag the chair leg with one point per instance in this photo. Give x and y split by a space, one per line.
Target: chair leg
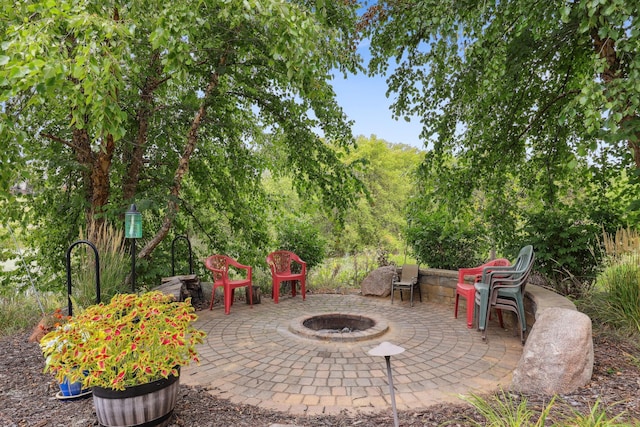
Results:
483 312
519 324
521 313
392 292
476 312
522 320
303 289
411 293
499 313
470 307
228 297
275 291
486 319
455 307
250 290
213 296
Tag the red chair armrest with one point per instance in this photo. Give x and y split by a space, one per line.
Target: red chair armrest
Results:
237 265
474 271
297 259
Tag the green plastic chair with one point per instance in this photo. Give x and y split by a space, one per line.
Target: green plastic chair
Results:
468 291
503 289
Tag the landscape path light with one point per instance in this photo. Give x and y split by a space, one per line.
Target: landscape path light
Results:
387 350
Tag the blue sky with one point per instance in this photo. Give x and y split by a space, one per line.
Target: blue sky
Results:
363 100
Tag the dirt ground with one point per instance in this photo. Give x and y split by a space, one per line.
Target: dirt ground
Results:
28 398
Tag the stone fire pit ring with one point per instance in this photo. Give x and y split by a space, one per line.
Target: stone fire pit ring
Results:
339 327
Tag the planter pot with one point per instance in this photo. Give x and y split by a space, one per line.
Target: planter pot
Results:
70 390
145 405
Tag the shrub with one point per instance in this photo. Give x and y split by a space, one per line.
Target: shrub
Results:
620 282
440 245
303 239
565 241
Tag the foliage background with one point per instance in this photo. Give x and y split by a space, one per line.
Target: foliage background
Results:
530 117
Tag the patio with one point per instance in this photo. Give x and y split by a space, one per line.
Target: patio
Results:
251 356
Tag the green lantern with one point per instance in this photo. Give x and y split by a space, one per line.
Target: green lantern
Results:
133 223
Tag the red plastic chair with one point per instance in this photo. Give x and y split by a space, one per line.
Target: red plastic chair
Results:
219 267
280 263
468 291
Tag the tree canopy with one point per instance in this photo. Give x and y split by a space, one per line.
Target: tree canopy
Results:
516 85
387 172
527 108
107 103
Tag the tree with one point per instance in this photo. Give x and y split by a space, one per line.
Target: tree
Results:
109 103
388 174
514 95
506 82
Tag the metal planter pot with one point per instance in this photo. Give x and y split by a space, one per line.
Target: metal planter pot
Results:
149 404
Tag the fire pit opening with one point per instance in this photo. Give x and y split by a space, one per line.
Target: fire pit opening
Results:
339 323
339 327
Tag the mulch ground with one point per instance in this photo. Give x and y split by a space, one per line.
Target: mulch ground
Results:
27 397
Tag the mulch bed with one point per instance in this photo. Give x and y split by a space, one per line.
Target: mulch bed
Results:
28 398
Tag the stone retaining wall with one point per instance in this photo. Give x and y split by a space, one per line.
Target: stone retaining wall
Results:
440 286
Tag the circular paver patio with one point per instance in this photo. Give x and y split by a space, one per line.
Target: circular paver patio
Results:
252 357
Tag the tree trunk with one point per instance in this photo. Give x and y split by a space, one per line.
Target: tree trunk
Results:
100 180
143 116
95 175
81 146
606 49
182 169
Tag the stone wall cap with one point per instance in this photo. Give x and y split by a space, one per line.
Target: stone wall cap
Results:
544 298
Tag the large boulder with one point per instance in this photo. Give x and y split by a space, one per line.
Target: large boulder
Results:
378 282
558 355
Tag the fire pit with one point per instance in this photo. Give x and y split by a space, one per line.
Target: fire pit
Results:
339 327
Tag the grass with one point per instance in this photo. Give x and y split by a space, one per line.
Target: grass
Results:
597 418
503 410
614 301
114 267
21 312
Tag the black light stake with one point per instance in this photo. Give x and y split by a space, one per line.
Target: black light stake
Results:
133 231
387 350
